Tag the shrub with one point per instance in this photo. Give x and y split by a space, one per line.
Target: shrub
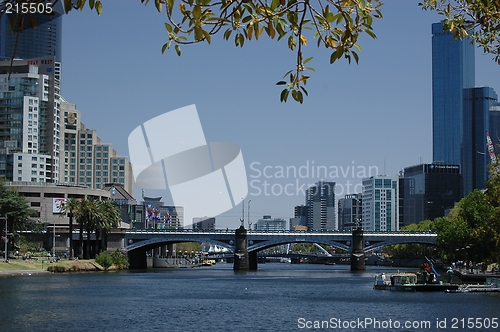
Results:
120 261
104 259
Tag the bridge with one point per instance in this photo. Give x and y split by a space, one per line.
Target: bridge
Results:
245 244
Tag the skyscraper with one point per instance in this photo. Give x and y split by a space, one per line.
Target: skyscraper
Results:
45 40
452 71
480 114
320 202
29 119
380 203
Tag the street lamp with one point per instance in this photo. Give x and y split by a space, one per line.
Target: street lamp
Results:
249 223
6 239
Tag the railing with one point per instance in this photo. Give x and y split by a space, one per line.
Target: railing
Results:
231 231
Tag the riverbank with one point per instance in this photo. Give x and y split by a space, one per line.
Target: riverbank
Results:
28 267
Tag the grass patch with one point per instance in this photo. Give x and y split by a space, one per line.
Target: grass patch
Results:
18 264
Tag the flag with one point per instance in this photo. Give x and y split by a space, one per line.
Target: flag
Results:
143 194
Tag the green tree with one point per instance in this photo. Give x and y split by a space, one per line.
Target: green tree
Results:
109 217
20 217
93 216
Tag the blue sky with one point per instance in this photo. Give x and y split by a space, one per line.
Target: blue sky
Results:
372 116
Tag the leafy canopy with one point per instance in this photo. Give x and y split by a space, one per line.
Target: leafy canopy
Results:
335 25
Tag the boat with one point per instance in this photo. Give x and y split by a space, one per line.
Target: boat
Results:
492 285
427 280
410 282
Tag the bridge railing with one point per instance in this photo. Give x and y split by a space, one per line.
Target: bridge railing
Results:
232 231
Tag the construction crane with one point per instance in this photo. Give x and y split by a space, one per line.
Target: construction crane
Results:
491 150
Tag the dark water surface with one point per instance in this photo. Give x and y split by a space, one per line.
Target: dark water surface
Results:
277 297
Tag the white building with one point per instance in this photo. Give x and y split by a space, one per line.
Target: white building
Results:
380 203
270 224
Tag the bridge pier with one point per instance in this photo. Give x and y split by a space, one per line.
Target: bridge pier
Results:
252 261
241 258
137 259
358 251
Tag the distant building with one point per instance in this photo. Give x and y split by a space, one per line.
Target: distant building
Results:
270 224
350 212
453 69
480 114
205 223
380 203
320 202
87 160
45 40
300 215
428 191
152 214
29 127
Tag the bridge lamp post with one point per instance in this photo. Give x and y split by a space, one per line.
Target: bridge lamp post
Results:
249 223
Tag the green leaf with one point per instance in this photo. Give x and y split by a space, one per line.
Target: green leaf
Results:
91 4
284 95
197 12
206 35
307 60
227 34
98 7
281 83
178 49
170 6
158 5
32 22
168 27
165 46
355 55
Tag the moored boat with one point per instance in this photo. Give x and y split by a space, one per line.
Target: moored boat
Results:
409 282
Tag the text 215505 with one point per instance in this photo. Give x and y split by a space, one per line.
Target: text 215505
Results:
28 8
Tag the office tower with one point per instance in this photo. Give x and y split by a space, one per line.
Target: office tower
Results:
380 203
350 212
429 191
29 119
45 40
480 114
320 202
452 71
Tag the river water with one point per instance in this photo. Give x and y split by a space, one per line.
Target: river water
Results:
277 297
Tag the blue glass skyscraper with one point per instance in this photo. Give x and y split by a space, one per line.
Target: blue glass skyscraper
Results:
480 114
452 71
45 40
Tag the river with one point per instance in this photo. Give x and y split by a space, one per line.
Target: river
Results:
277 297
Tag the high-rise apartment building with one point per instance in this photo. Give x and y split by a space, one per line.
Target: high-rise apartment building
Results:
45 40
86 159
429 191
380 203
452 71
480 114
320 202
29 119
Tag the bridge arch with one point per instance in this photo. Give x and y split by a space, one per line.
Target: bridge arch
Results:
152 243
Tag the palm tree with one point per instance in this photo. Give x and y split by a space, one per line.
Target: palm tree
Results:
72 209
109 217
